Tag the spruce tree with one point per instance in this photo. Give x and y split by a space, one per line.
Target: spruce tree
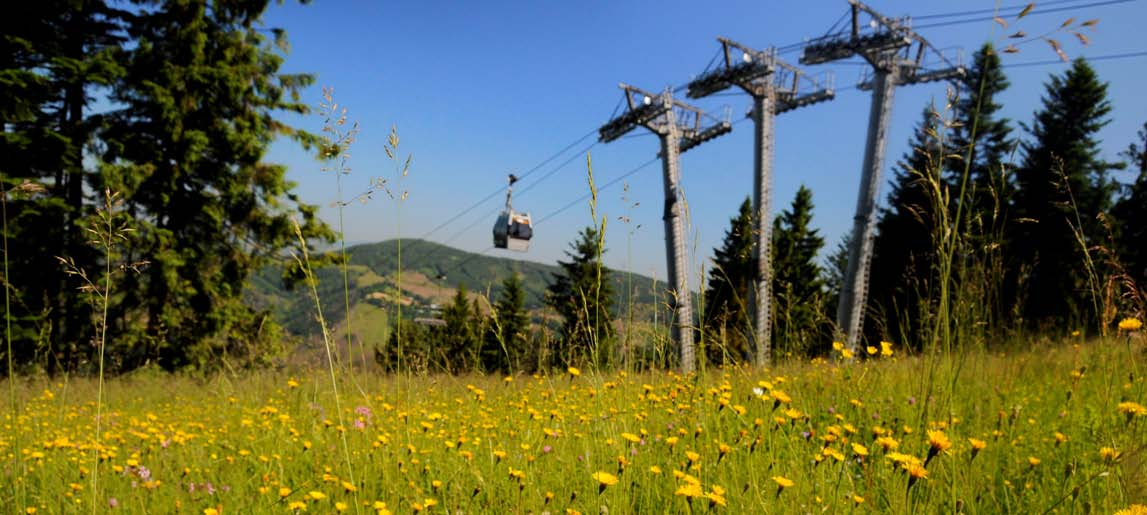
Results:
798 286
1063 186
582 294
52 56
1130 214
902 271
507 337
197 106
728 330
981 137
459 342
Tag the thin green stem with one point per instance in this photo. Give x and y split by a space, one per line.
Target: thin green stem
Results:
328 346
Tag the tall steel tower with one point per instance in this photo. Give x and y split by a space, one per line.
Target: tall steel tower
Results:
680 127
776 87
898 56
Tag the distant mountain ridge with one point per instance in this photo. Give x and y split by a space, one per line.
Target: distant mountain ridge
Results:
431 274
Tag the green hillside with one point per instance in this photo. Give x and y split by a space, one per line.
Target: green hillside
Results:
431 274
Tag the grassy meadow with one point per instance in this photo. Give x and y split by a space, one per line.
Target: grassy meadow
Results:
1055 428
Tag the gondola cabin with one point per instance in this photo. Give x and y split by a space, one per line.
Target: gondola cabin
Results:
513 231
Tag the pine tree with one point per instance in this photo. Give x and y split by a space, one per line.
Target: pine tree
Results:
902 273
52 55
506 345
726 319
1130 214
186 150
798 287
459 342
1062 186
983 136
582 294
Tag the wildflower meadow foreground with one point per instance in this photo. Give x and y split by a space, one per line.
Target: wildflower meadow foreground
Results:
1059 428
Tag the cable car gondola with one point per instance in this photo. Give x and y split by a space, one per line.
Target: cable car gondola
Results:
513 230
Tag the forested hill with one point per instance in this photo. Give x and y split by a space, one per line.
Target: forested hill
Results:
431 274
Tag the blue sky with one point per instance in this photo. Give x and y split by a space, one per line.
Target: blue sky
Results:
478 90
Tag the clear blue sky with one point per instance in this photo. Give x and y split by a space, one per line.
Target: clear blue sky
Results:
481 89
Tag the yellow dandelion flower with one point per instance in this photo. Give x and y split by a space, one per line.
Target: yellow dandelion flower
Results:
916 470
977 445
655 470
717 496
783 482
284 491
886 349
341 506
1109 454
316 495
630 437
871 350
887 443
573 371
857 499
938 442
692 456
859 450
604 480
689 490
1130 324
1033 461
1134 509
1131 409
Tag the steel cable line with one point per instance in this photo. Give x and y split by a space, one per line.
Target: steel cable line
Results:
486 217
1033 13
1004 10
500 190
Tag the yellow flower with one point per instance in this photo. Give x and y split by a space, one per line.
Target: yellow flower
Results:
604 479
297 506
630 437
284 491
655 470
938 442
860 450
340 506
916 470
1109 454
977 445
783 482
871 350
573 371
1134 509
689 490
1131 409
316 495
693 457
1033 461
717 496
1130 324
885 349
887 443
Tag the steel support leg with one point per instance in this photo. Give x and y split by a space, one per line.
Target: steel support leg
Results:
854 293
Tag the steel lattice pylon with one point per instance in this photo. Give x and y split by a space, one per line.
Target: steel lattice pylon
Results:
897 56
680 127
776 87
